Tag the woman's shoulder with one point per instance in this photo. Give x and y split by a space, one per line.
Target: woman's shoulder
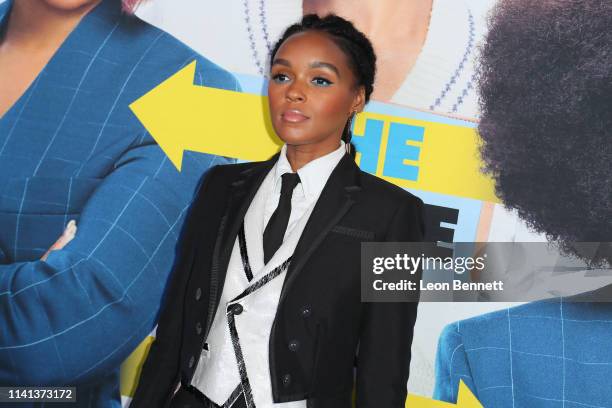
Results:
233 169
230 173
158 55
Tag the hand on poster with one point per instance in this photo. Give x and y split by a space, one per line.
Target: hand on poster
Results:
63 240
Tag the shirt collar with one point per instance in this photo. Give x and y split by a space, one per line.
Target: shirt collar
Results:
313 175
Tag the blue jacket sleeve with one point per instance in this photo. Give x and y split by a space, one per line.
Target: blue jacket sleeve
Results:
451 365
77 316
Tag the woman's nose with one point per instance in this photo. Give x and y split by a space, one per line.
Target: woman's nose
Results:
295 92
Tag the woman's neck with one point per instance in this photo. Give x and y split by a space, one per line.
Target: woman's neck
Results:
300 155
36 26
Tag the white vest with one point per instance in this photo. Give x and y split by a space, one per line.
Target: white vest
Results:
217 374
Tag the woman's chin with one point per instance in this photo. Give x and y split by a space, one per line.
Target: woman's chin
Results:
70 5
293 137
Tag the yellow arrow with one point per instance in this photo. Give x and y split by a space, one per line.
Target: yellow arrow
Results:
132 366
465 399
181 116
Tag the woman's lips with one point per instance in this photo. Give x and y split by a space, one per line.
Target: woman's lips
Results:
293 116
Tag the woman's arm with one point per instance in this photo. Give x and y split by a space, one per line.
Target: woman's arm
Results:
386 329
75 317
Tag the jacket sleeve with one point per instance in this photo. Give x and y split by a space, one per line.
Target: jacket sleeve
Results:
386 330
76 316
160 372
451 365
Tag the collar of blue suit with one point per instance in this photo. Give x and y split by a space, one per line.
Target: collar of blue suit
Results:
4 9
74 54
105 10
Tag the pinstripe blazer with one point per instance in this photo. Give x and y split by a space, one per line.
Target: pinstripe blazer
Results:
71 149
552 353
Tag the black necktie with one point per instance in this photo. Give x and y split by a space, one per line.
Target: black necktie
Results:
275 230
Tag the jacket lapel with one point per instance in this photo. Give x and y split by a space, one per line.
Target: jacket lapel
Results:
241 194
335 200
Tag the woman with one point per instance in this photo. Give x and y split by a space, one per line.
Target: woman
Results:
264 306
70 149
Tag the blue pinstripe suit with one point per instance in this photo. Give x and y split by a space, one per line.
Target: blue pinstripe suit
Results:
71 149
546 354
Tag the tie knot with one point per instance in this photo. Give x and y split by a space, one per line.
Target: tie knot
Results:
290 180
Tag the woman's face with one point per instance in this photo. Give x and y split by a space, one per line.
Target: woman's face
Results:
312 91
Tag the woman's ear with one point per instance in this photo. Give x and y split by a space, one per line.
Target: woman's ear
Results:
359 100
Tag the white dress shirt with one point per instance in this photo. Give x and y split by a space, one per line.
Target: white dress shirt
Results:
313 177
217 374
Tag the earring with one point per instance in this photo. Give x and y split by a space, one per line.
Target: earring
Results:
347 145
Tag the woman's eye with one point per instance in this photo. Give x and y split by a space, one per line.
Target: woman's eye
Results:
280 78
321 81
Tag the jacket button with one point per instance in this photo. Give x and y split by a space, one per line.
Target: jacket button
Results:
294 345
287 380
198 295
237 309
306 311
198 328
191 361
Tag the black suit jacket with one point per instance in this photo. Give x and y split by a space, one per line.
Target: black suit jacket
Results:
320 305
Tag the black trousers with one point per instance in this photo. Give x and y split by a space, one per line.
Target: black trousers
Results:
191 397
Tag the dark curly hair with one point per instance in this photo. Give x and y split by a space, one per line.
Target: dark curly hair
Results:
545 80
355 45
